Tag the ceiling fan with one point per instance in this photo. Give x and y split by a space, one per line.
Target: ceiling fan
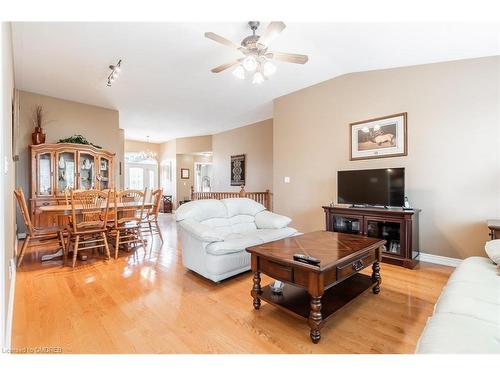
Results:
256 55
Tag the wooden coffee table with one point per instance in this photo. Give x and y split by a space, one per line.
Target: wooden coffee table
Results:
311 292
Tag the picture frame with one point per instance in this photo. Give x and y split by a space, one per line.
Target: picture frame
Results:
238 170
185 173
381 137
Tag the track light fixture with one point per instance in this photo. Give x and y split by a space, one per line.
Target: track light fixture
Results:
115 71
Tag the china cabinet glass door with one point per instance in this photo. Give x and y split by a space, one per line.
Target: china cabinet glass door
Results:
104 173
44 182
66 171
87 171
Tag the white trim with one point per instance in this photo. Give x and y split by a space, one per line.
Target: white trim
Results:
438 259
10 307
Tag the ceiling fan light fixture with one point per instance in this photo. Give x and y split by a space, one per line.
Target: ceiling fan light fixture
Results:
239 72
250 63
258 78
268 68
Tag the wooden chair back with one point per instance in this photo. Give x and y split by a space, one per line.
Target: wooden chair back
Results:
67 196
89 210
21 201
156 200
133 212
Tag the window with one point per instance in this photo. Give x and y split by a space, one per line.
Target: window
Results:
136 178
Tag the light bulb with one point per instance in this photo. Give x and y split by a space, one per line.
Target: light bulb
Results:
114 75
249 63
269 68
258 78
239 72
117 69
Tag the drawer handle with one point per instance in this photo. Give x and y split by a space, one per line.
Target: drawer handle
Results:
45 203
357 265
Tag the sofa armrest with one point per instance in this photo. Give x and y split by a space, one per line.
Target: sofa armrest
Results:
270 220
200 231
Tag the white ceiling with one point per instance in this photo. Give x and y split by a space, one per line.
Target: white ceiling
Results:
166 89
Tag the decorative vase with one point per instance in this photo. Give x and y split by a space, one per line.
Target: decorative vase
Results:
38 136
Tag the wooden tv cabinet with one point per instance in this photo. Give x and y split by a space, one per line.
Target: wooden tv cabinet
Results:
397 226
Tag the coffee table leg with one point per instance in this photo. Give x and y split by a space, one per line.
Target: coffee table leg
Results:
256 290
315 318
376 277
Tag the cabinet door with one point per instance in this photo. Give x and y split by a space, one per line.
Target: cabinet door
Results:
86 171
45 174
65 171
105 173
391 230
351 224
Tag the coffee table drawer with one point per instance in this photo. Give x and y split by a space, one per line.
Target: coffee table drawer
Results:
276 270
356 265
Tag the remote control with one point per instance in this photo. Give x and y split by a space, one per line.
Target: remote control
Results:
306 259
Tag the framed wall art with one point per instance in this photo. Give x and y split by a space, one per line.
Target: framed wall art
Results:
238 170
185 173
381 137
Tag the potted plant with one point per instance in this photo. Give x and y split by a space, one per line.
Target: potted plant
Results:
38 136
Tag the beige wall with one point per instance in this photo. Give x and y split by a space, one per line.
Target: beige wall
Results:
190 145
7 222
256 142
66 118
137 146
184 185
453 162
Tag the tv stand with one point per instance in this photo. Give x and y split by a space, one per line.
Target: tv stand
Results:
397 226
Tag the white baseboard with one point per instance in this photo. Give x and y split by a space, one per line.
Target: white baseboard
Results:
10 307
438 259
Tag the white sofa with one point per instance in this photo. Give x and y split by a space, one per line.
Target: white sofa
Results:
466 317
215 233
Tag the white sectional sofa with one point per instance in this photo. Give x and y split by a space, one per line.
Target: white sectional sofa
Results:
215 233
466 317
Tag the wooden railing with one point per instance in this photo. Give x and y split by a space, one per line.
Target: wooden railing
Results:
263 197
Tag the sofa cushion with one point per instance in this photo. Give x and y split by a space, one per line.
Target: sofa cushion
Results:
475 270
200 210
242 206
268 235
483 292
242 223
270 220
453 302
234 243
451 333
492 248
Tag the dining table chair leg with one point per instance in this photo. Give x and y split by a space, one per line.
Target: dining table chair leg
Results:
117 243
63 245
23 250
141 237
159 231
75 249
106 246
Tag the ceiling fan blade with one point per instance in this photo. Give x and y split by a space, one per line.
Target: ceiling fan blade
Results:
272 31
288 57
222 40
222 67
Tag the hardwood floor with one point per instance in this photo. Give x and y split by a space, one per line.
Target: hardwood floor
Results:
147 302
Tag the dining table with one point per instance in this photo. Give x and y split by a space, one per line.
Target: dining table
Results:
66 209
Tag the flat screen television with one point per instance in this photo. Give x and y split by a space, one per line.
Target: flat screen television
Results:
373 187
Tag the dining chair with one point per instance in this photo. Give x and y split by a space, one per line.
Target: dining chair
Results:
89 215
129 208
37 236
150 222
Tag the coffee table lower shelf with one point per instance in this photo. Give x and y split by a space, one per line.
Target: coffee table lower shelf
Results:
296 301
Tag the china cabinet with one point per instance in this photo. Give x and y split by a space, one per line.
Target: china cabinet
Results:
66 166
